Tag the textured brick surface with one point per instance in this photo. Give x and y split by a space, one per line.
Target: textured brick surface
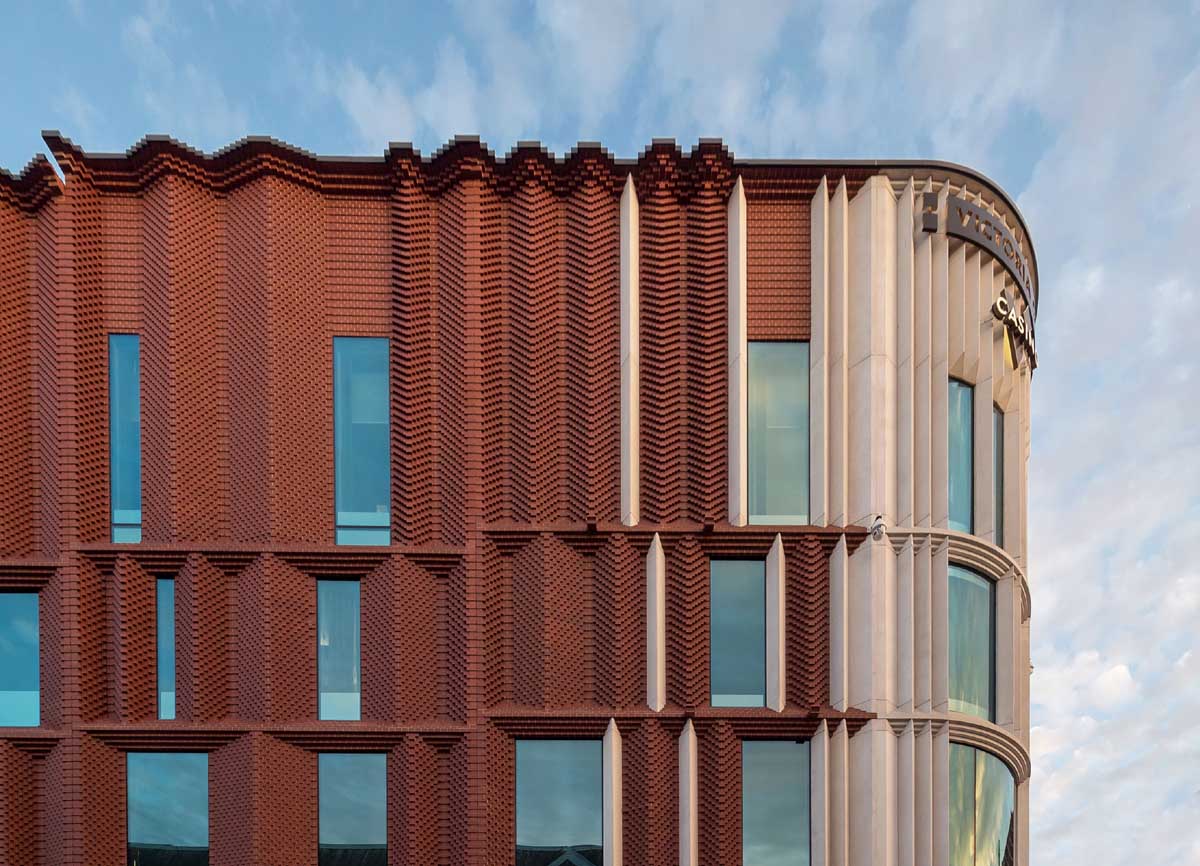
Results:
512 602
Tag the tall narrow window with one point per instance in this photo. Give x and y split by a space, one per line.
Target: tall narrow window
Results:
20 690
777 409
775 808
165 621
982 809
167 805
738 645
338 650
962 456
560 810
998 472
972 643
352 807
361 440
125 437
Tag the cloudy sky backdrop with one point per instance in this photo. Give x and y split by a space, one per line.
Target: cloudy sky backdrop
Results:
1087 113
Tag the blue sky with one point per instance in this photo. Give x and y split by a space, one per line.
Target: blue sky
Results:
1087 113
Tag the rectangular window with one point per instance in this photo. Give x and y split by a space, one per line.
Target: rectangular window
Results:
352 807
998 472
167 805
361 440
20 690
972 602
962 456
560 810
125 437
777 410
165 620
338 650
775 808
982 809
738 645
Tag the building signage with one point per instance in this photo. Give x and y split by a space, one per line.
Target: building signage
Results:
1017 325
979 227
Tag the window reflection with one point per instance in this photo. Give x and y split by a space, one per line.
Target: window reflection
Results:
352 806
560 812
125 437
962 458
338 643
982 809
775 804
361 440
737 649
165 628
777 409
972 631
20 691
167 803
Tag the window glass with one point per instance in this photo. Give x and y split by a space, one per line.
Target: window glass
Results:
777 410
352 806
998 472
167 799
962 457
125 437
165 611
560 811
361 440
738 645
338 645
775 790
972 642
20 692
982 809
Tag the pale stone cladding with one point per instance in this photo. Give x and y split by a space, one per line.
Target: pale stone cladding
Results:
898 308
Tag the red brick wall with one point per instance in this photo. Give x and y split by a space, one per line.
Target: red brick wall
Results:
512 602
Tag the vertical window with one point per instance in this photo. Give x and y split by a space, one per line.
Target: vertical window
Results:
777 410
775 810
738 645
560 811
962 456
338 650
361 440
165 616
998 473
125 437
972 643
167 799
352 807
982 806
20 690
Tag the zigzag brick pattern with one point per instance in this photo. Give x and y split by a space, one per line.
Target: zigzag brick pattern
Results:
511 602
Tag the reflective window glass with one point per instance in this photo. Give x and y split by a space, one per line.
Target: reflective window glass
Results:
20 691
775 790
982 809
361 440
972 630
998 472
352 806
962 456
777 414
125 437
738 645
338 648
167 800
560 811
165 611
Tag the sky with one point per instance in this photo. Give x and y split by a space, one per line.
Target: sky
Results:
1088 114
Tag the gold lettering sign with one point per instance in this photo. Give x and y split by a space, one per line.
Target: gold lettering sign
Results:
1018 328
